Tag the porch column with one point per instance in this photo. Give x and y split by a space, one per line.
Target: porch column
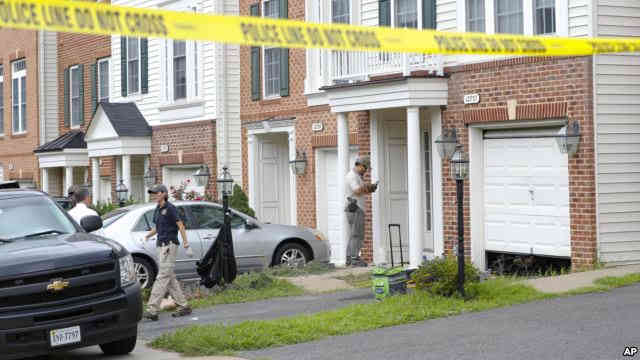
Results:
95 180
252 150
126 173
45 180
293 193
147 164
339 250
414 166
68 179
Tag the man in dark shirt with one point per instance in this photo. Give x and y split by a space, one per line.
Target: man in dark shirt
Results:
168 223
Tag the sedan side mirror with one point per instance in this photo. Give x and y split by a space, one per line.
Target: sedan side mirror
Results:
248 225
91 223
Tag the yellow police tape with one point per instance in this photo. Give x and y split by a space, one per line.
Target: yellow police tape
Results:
99 18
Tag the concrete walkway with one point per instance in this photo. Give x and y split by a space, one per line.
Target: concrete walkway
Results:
328 282
564 283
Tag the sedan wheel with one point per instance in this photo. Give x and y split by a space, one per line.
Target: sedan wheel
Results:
292 255
145 273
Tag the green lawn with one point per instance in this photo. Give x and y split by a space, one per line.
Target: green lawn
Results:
417 306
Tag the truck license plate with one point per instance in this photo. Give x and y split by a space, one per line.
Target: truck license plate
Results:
65 336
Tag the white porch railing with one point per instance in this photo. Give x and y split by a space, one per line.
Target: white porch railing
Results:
353 66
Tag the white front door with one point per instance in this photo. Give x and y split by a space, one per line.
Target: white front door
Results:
105 189
395 184
526 197
330 207
1 173
273 179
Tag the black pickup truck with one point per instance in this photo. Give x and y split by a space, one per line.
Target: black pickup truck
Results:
60 286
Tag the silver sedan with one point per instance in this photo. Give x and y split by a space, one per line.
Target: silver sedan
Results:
257 245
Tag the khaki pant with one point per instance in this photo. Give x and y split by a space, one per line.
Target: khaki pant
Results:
356 233
166 280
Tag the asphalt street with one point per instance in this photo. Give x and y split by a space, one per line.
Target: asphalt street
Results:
591 326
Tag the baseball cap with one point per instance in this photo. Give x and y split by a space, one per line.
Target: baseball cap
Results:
364 161
158 188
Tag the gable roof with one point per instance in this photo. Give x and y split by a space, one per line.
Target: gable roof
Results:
126 119
73 139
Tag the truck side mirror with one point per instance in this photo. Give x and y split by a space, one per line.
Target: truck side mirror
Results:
91 223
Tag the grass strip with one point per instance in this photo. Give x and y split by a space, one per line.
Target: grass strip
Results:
217 339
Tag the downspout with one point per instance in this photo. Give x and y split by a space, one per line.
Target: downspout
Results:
41 132
594 79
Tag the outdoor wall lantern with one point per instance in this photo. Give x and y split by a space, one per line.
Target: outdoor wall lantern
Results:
568 138
225 183
447 143
150 177
202 176
299 164
121 193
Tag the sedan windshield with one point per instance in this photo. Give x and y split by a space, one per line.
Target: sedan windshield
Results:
30 217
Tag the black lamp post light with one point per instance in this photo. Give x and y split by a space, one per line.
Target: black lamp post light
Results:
202 176
121 193
225 187
451 151
299 164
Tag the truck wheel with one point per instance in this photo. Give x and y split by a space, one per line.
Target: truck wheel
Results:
144 271
120 347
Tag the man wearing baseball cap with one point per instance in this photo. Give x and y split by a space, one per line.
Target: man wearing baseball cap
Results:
355 190
167 224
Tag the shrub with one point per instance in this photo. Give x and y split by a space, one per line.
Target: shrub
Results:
240 202
440 276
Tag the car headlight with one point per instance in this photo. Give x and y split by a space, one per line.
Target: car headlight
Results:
127 271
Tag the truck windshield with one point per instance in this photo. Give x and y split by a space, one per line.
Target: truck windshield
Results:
30 217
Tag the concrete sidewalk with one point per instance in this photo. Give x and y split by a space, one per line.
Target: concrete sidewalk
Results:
329 281
564 283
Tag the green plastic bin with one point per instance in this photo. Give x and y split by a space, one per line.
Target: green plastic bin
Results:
387 282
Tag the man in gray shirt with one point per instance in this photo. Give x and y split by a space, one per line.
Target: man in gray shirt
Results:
355 189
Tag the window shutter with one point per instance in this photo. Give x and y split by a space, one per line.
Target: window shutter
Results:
284 9
284 72
144 65
254 10
123 65
67 115
384 12
93 70
81 89
429 14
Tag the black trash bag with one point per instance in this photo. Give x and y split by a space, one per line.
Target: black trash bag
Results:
218 266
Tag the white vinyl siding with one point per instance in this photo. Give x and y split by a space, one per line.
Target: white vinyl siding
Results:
617 110
19 96
48 86
74 96
579 18
103 80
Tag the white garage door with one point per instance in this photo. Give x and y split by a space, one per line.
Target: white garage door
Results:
526 196
330 208
176 176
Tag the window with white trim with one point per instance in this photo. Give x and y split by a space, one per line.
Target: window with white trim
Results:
475 15
103 80
340 12
133 65
74 98
544 17
179 69
509 16
270 9
1 102
405 14
19 96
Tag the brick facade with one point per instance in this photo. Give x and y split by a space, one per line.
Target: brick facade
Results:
543 88
16 151
189 143
307 141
